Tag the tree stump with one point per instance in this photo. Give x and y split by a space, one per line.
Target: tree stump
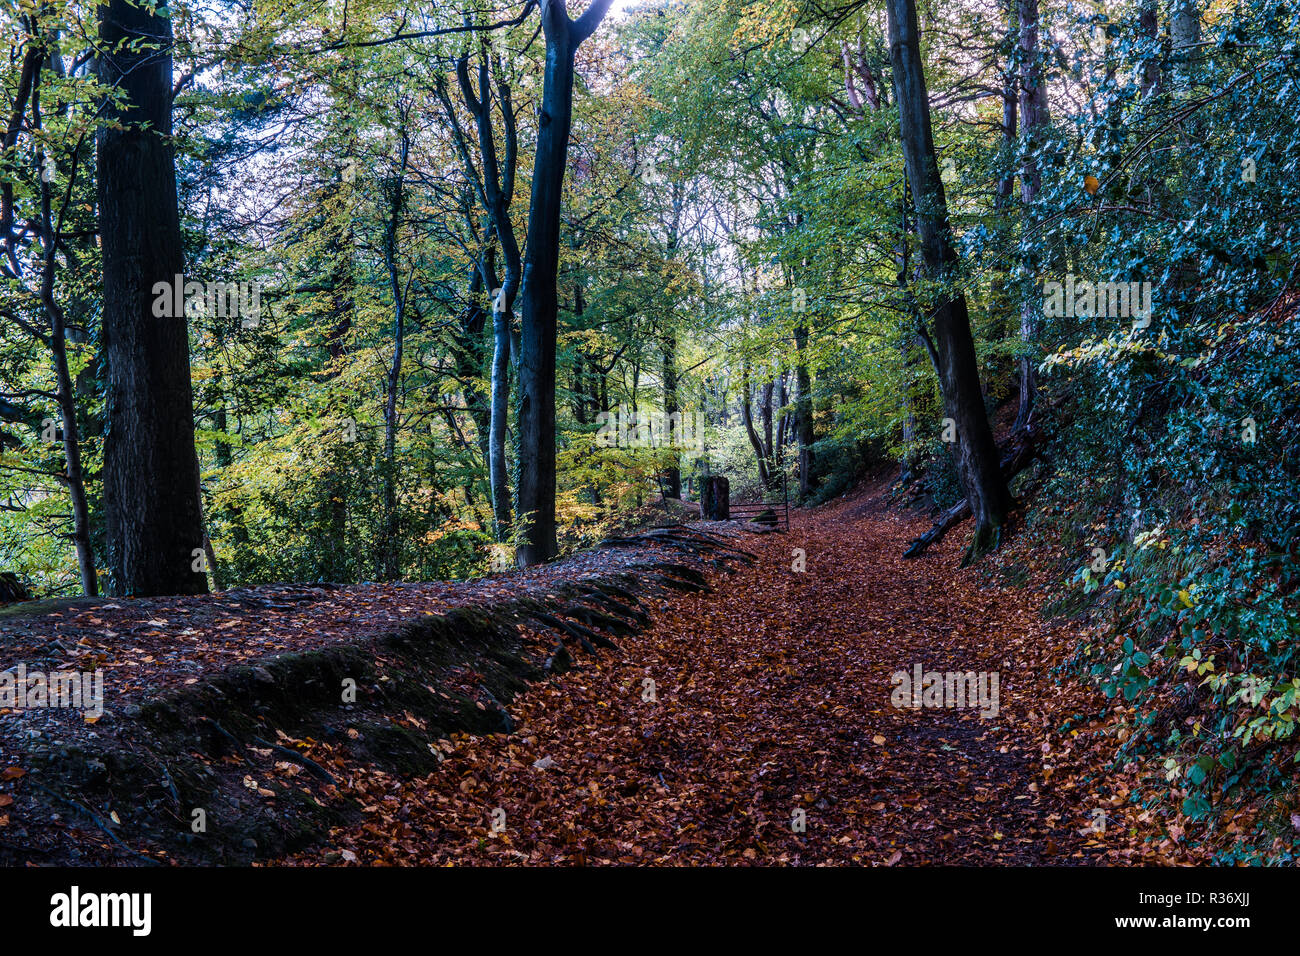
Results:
715 503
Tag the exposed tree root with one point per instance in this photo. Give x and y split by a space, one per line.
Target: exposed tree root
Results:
1017 458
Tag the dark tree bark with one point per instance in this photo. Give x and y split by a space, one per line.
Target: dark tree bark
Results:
33 57
577 393
498 467
583 396
763 454
765 413
673 473
389 568
1010 88
910 340
1018 457
468 353
953 347
803 408
333 556
499 403
783 430
11 589
1034 119
1149 29
48 227
715 500
672 404
1033 97
803 414
1001 303
538 297
151 472
1184 31
73 473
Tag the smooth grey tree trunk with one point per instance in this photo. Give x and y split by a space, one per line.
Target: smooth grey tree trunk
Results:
494 182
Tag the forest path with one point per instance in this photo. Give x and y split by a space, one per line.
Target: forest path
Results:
771 695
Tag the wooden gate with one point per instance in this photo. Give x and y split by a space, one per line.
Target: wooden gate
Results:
773 508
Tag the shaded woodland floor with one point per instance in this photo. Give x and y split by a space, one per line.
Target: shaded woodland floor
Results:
749 723
772 695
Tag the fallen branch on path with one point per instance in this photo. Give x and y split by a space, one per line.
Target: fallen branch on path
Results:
301 759
588 638
632 613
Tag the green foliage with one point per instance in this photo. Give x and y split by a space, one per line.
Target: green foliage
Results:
1178 442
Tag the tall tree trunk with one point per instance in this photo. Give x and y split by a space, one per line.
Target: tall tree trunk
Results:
495 183
499 408
1010 87
333 554
803 410
783 420
1033 116
765 410
498 468
673 474
577 397
222 454
74 475
911 324
747 415
803 413
1184 38
953 346
1184 29
1000 303
539 300
469 353
151 471
1149 28
390 548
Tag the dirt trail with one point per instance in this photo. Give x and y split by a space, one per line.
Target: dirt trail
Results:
770 696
